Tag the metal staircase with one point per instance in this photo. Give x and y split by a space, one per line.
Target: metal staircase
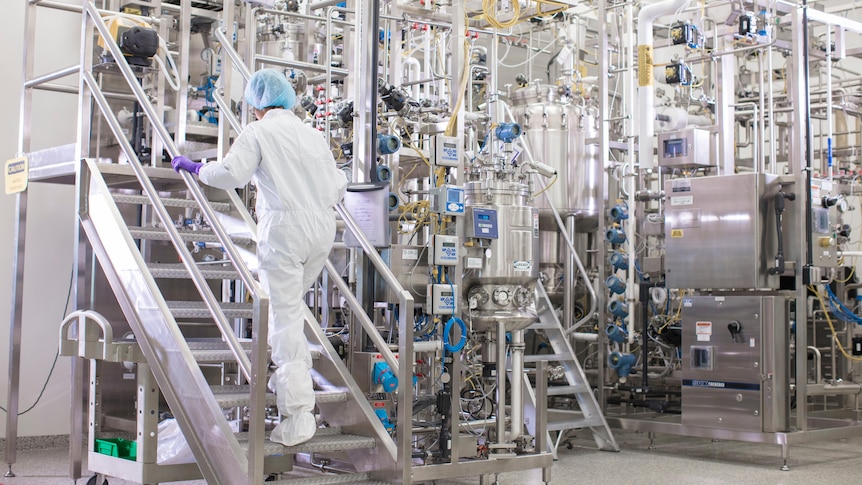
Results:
160 347
589 414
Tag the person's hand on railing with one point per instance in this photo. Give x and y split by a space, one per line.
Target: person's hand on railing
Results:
183 163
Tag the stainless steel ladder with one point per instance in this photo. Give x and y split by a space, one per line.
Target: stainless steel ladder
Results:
589 414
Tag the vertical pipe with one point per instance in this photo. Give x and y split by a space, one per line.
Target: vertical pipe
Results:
760 161
227 75
501 382
19 231
517 383
771 116
570 278
19 236
635 167
184 39
367 28
724 99
800 165
81 264
829 121
604 141
541 417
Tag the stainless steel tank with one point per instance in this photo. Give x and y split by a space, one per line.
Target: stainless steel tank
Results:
502 289
563 133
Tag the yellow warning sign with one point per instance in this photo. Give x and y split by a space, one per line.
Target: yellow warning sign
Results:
16 175
676 233
645 65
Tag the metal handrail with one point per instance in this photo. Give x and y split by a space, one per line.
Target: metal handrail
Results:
165 218
405 299
364 319
369 250
227 46
171 148
150 191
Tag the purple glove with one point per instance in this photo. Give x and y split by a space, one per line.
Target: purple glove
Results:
183 163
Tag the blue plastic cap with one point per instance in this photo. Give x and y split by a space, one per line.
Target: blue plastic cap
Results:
269 88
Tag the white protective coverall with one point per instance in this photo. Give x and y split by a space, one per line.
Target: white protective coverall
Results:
298 185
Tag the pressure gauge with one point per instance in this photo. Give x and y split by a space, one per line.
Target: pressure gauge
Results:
843 205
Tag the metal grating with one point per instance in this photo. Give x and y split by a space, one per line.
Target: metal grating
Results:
194 309
222 355
351 478
178 271
158 234
324 441
168 202
238 396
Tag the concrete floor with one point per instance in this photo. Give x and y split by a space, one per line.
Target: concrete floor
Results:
674 460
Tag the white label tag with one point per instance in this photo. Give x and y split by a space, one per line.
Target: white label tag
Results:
682 200
410 254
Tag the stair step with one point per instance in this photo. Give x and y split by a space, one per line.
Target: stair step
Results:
168 202
215 351
178 271
549 358
238 396
159 234
330 479
324 441
197 309
566 390
559 420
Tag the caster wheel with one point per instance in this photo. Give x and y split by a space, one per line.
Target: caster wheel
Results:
94 480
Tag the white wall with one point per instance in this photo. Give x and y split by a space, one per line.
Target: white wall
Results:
51 219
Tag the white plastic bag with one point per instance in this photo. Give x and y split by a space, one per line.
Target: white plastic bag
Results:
173 447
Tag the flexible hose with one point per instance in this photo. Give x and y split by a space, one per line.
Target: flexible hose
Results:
447 329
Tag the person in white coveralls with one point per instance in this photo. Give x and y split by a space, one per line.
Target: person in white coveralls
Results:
298 185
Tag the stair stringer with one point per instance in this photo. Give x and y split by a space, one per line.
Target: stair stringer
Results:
356 416
216 449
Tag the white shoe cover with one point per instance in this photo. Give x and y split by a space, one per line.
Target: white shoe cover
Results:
294 430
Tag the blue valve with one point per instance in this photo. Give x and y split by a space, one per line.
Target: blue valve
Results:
615 333
618 309
388 144
382 374
383 416
615 235
384 173
619 261
619 213
507 132
622 363
616 285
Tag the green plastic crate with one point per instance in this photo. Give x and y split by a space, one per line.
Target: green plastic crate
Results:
118 447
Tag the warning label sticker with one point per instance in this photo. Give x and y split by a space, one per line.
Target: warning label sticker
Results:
704 331
676 233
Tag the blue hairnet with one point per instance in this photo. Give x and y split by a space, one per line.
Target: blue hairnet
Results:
269 88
